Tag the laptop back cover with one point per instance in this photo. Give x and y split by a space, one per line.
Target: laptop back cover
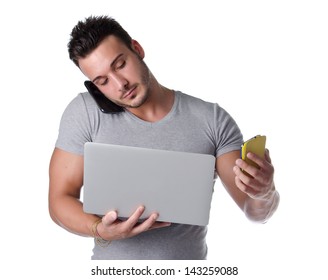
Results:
177 185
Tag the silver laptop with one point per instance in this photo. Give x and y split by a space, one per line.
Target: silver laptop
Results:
177 185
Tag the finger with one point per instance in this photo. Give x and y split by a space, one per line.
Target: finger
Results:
251 170
263 164
109 218
240 185
133 219
245 180
266 170
245 188
267 155
253 186
145 225
258 160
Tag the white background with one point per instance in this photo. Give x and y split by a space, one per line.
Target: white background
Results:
264 61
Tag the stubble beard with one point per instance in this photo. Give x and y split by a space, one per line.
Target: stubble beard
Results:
140 99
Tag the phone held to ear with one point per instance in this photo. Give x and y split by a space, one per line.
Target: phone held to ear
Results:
104 104
255 145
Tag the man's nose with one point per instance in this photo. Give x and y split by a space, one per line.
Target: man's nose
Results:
120 82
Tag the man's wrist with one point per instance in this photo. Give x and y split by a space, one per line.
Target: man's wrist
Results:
98 238
261 209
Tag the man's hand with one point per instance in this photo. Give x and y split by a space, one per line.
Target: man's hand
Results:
254 194
113 229
260 185
263 199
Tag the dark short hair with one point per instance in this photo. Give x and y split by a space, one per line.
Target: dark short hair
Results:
88 34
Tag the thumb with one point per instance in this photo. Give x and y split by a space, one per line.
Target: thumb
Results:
109 218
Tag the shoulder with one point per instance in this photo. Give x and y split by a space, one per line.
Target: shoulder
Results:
193 100
82 100
81 104
80 112
200 106
77 124
195 103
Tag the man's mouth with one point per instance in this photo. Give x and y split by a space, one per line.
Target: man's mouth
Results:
128 93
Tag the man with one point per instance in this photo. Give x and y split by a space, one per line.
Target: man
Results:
152 116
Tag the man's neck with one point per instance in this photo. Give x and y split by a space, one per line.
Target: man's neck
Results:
157 106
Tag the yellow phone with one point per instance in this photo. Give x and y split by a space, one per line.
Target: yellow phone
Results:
254 145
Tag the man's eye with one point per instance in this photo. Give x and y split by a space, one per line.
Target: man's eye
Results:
121 65
104 82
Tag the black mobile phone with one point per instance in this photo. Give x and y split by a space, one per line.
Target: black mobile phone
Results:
104 104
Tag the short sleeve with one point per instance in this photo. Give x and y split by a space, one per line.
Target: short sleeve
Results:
74 129
228 135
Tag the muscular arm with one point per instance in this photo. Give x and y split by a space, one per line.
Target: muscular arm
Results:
65 182
256 196
66 209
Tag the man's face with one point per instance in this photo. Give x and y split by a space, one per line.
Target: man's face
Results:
119 73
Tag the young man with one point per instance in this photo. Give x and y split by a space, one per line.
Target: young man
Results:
152 116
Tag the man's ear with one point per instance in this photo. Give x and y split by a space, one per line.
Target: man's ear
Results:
138 48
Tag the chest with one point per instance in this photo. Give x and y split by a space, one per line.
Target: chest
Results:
193 135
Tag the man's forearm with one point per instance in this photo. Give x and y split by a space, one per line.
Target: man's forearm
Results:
67 212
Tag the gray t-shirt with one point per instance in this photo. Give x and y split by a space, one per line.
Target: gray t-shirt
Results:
192 125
